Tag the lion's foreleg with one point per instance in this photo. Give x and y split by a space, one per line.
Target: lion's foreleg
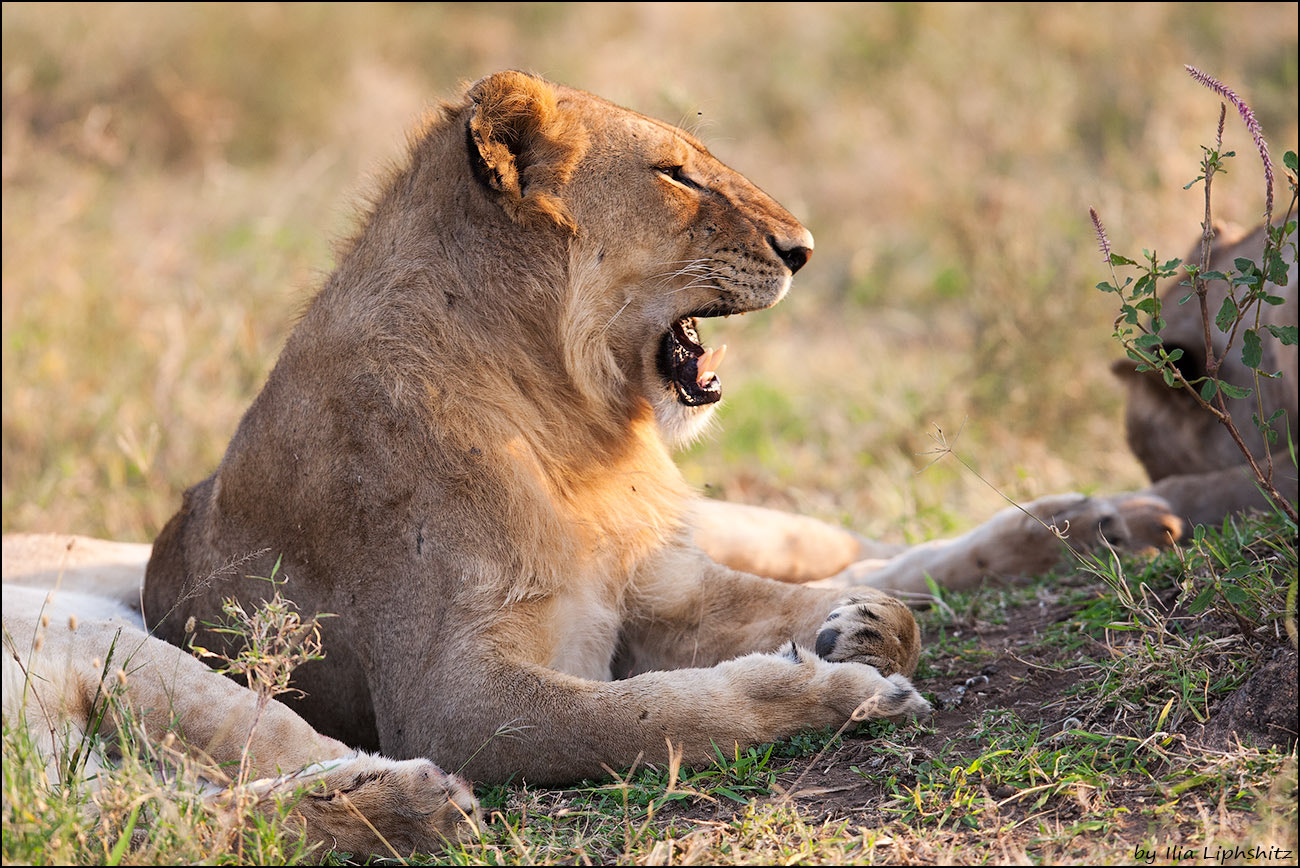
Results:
522 721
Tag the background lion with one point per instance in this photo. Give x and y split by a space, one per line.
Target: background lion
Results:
1192 460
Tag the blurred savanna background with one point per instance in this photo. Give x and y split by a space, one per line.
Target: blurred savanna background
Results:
173 176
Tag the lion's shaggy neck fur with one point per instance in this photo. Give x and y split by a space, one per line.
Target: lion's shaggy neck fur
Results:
460 452
432 303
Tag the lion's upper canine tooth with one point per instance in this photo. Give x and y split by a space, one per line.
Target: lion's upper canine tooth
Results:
702 363
708 363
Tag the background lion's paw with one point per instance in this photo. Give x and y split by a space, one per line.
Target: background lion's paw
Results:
1150 521
871 627
1032 541
1078 515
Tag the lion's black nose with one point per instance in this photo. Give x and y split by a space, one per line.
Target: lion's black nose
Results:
794 253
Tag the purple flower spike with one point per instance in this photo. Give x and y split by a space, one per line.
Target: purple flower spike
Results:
1248 118
1102 241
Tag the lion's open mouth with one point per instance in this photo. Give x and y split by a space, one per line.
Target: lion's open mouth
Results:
689 366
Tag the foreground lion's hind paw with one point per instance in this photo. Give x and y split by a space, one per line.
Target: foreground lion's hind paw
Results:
377 806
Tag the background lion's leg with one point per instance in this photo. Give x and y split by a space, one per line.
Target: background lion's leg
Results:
114 570
778 545
1207 498
1018 541
53 665
164 688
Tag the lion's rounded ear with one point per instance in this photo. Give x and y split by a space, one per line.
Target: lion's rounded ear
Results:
523 146
1123 368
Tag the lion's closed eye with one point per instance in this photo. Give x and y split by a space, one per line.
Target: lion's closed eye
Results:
677 174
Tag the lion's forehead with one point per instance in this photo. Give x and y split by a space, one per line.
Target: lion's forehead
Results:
620 124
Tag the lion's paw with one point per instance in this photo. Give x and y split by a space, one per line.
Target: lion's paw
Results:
871 627
854 689
414 805
1150 521
1028 540
1084 521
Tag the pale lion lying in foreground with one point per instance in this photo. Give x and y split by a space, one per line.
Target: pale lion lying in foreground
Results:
68 655
463 453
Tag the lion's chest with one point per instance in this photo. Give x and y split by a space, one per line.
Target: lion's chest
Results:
584 622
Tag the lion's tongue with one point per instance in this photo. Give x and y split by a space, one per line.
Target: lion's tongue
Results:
706 365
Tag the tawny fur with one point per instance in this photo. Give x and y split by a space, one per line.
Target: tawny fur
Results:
461 455
1192 460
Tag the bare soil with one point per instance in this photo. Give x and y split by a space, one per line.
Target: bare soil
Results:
1009 667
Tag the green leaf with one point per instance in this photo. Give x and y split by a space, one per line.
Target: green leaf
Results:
1214 275
1192 782
123 841
1269 433
1208 389
1285 334
1235 595
1275 266
1135 355
1233 391
1252 351
1116 259
1289 160
1227 313
1146 341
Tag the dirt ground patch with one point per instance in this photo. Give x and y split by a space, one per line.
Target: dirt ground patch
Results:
990 678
